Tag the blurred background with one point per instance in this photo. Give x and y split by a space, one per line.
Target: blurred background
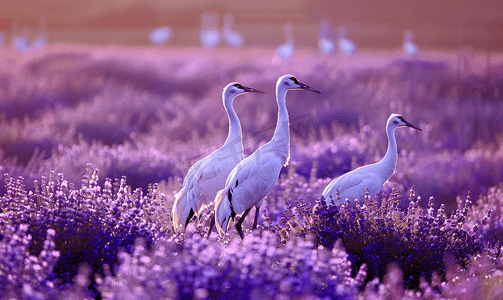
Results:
134 89
370 24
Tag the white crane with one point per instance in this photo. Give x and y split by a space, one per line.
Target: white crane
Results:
233 39
209 34
19 40
354 184
325 45
408 46
345 46
286 50
207 176
38 44
253 178
160 35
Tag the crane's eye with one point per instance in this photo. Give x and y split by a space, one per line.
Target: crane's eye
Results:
294 80
401 119
239 86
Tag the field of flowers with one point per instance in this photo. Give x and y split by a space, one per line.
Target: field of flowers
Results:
95 142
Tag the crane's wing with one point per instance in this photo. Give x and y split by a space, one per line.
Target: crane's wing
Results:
203 169
353 185
203 174
252 179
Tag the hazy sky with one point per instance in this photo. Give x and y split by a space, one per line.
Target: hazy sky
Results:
434 22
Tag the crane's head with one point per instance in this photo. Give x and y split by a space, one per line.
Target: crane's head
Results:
234 89
396 120
290 82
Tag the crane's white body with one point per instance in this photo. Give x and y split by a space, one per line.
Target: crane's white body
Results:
250 181
39 43
354 184
345 46
232 38
207 176
253 178
209 34
409 48
286 50
160 35
325 45
203 180
21 43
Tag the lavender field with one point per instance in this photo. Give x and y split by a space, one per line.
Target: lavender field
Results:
96 141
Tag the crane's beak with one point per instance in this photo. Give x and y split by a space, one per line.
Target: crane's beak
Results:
308 88
252 90
413 126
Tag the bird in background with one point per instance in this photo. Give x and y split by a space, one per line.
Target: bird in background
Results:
253 178
208 175
38 44
160 35
285 51
209 34
1 39
345 46
409 48
325 45
232 38
354 184
19 39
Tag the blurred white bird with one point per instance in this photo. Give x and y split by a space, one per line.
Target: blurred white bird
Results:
39 42
253 178
208 175
209 34
325 45
160 35
408 46
345 46
233 39
354 184
19 40
286 50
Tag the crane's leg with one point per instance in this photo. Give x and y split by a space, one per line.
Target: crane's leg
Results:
238 225
212 223
256 217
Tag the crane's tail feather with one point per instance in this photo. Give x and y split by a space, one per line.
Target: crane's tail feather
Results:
181 210
222 211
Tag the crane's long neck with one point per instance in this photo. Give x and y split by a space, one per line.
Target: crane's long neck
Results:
322 34
227 24
235 135
407 38
388 163
281 138
341 34
289 36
